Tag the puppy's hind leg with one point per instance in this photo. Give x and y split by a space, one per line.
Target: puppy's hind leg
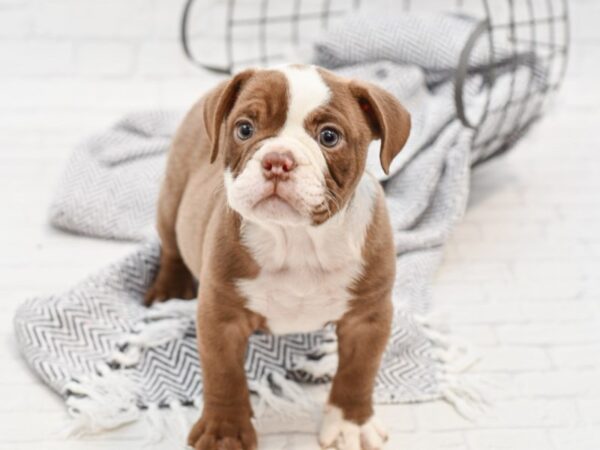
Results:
174 279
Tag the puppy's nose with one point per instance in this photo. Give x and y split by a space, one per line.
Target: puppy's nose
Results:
278 165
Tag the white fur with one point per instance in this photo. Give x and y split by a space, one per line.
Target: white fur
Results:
304 191
307 91
306 270
337 433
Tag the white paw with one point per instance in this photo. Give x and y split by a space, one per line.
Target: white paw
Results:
339 434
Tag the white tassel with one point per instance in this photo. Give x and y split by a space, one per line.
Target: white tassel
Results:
294 393
330 345
163 323
455 356
326 365
180 418
172 308
318 368
167 426
128 357
456 359
469 397
102 401
155 425
158 332
293 401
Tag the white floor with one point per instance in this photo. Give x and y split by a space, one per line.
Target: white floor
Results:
521 277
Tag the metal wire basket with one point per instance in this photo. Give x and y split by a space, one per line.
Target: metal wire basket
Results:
231 34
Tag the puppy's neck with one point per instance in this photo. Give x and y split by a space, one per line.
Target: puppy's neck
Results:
325 247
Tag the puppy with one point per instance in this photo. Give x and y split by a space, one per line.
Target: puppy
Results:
266 202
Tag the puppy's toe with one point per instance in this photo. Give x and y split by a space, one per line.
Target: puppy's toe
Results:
222 433
166 288
230 444
340 434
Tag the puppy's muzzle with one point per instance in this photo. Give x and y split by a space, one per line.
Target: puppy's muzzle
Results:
277 165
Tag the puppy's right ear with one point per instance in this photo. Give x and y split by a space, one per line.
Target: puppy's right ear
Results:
218 105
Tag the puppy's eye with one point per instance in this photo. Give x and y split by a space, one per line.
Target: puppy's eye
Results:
328 137
244 130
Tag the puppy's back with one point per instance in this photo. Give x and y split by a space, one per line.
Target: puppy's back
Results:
192 189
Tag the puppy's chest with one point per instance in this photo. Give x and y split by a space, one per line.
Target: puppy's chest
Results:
301 287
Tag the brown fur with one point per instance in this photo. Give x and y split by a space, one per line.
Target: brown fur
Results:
201 239
364 330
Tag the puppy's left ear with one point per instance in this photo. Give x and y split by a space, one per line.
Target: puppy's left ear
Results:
219 104
387 118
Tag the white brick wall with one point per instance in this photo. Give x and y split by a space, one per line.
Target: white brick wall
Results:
107 19
95 55
105 58
91 39
36 57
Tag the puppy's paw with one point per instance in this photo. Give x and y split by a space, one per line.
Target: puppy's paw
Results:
339 434
212 433
172 281
160 292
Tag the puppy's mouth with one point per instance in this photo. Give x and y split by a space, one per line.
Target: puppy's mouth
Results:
275 200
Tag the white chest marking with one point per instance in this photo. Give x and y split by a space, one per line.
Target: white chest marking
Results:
306 271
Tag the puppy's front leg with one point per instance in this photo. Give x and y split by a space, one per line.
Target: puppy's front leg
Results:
348 422
223 332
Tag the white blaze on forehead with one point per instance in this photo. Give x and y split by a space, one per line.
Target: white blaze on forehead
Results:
306 92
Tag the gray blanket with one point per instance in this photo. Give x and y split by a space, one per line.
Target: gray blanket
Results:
110 357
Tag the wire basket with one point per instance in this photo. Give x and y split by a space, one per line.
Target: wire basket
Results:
232 34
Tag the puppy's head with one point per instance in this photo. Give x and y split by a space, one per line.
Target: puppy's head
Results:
294 140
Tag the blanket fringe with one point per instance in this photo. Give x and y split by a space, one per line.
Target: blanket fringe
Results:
99 402
108 398
323 363
163 323
291 401
169 425
468 394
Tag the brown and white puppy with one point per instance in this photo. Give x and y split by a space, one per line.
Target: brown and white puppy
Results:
267 204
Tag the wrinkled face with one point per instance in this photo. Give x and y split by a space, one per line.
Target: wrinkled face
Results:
294 145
